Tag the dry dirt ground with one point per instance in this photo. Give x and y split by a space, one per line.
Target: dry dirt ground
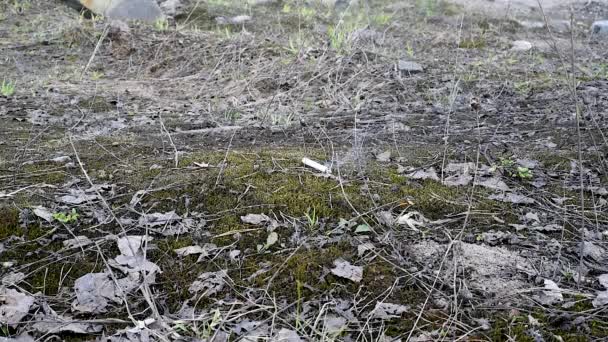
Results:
153 189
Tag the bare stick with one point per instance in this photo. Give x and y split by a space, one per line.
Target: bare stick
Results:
164 129
101 39
223 166
579 142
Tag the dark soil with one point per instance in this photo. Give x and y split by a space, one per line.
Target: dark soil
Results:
212 122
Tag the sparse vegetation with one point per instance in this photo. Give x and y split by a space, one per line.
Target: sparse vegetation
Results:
161 25
66 218
454 209
7 88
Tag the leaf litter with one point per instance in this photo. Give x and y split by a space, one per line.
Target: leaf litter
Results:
509 251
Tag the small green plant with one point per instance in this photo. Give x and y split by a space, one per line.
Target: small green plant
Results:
7 88
209 329
286 8
161 25
232 115
506 163
226 32
181 327
409 49
339 38
297 43
20 6
96 75
509 167
299 287
312 218
294 45
281 119
381 19
427 7
524 173
522 87
66 218
473 43
307 13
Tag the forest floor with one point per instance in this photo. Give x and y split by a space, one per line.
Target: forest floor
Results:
154 189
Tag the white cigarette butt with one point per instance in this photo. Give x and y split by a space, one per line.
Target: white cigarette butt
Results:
315 165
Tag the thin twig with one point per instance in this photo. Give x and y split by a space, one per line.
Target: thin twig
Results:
97 46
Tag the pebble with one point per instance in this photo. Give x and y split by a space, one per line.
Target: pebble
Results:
410 67
521 45
600 28
560 26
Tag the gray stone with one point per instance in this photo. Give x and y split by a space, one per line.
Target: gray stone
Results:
410 67
560 26
521 45
600 28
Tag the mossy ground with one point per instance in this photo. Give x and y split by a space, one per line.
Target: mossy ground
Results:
295 85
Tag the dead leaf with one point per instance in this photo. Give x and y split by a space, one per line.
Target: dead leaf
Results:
94 292
334 325
49 322
600 300
286 335
255 219
133 259
132 245
384 157
385 218
413 219
272 239
458 180
20 338
44 213
602 296
552 293
603 279
344 269
593 251
533 321
511 197
13 278
78 242
494 183
159 219
388 310
204 251
77 196
210 283
14 306
429 173
364 247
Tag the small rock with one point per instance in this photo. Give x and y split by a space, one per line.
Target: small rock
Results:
532 25
410 67
521 45
384 156
237 20
560 26
600 28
